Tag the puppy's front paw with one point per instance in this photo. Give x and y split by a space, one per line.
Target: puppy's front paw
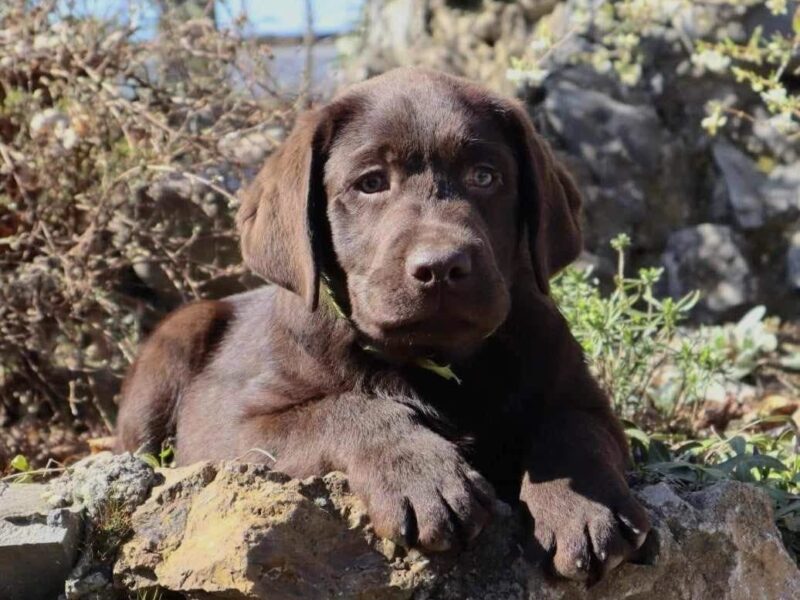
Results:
583 536
427 497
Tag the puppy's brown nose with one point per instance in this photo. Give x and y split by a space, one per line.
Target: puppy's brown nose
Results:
432 266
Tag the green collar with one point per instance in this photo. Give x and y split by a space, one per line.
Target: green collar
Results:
327 297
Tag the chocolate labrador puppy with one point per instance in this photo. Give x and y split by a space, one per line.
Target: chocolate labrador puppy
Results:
410 228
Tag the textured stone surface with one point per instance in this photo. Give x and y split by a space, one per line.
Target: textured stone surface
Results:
102 478
755 197
38 544
793 261
241 531
634 175
107 488
236 531
709 258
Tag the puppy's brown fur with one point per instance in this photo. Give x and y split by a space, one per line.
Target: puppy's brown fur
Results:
436 215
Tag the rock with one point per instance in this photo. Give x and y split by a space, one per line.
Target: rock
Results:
756 197
621 134
234 530
742 181
398 25
725 536
89 580
102 478
240 531
38 543
636 174
707 258
107 488
793 262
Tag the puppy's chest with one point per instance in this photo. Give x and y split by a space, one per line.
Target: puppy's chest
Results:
487 417
486 402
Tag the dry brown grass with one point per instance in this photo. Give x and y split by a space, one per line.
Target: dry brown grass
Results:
119 163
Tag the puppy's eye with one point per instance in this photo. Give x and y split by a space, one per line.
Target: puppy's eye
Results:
482 177
372 183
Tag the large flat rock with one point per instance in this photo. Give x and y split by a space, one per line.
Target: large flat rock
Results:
240 531
38 544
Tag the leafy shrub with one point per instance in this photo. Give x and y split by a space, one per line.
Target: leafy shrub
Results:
630 336
655 372
653 369
742 345
763 64
119 160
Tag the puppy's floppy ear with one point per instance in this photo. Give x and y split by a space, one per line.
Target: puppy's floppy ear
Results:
283 210
550 200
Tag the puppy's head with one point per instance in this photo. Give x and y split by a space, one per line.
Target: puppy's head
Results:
420 198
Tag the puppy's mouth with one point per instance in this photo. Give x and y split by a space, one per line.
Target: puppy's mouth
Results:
438 334
429 327
443 323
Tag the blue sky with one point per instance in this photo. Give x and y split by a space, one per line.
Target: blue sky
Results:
288 16
267 16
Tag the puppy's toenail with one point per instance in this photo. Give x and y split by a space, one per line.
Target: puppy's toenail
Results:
627 522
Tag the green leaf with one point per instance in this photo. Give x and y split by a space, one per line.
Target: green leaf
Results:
752 319
686 447
765 462
20 463
441 370
166 455
738 444
637 434
775 494
659 452
674 468
742 464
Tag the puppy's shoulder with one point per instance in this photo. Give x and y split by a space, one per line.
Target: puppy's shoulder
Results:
194 328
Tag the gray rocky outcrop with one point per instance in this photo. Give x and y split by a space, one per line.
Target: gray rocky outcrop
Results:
709 258
38 543
233 530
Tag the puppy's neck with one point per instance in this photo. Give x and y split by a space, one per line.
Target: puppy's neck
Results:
330 302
